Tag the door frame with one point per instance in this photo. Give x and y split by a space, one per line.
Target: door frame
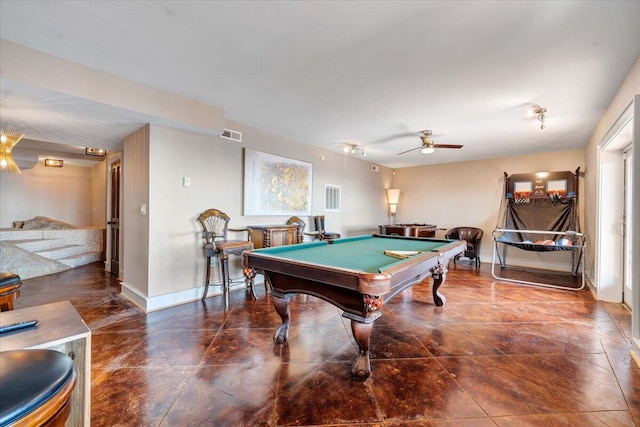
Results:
630 117
107 263
610 202
629 189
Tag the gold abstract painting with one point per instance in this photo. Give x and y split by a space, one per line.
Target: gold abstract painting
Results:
275 185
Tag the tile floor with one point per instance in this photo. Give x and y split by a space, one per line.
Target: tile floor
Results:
494 355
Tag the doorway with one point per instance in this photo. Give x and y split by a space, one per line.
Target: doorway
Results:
113 222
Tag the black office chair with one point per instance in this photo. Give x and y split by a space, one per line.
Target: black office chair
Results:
324 235
473 237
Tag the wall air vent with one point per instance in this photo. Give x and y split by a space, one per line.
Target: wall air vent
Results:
331 198
232 135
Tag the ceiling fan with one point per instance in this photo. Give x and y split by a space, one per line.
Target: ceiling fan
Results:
428 146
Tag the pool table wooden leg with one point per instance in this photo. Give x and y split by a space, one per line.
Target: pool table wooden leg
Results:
438 298
439 274
282 307
360 366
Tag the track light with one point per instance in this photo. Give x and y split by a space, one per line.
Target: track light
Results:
353 148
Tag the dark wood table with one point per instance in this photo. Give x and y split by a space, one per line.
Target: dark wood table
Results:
267 236
409 230
355 275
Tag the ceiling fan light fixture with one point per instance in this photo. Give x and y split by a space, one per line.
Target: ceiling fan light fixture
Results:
428 146
538 112
427 150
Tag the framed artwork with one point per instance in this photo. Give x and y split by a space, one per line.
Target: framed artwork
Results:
275 185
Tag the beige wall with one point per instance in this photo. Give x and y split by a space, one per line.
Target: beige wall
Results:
65 194
134 227
471 193
363 190
629 89
98 211
163 258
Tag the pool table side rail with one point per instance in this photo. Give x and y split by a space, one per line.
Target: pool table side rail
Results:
372 283
407 270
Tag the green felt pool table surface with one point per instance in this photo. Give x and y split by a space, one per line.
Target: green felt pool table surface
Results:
361 253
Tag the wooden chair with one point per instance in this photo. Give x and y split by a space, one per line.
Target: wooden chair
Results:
10 284
215 226
473 237
324 235
294 220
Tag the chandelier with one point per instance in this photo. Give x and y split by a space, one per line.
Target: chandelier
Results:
8 139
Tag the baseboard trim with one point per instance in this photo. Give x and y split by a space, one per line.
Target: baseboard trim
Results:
149 304
635 351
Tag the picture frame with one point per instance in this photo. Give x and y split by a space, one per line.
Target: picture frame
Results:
276 185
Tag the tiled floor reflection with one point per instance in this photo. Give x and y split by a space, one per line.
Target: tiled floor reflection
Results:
494 355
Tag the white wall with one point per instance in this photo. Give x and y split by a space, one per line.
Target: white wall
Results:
470 194
64 194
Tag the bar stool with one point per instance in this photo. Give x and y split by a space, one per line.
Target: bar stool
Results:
9 290
35 387
215 226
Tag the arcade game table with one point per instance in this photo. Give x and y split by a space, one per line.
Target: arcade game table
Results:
355 275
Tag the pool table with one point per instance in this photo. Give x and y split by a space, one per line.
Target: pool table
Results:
355 275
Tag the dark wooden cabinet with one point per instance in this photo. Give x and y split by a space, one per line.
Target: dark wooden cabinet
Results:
408 230
268 236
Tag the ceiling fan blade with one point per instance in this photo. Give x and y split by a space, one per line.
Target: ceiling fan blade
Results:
447 146
413 149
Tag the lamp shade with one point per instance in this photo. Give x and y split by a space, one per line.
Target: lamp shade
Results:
393 194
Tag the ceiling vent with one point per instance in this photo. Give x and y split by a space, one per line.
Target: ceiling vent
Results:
232 135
